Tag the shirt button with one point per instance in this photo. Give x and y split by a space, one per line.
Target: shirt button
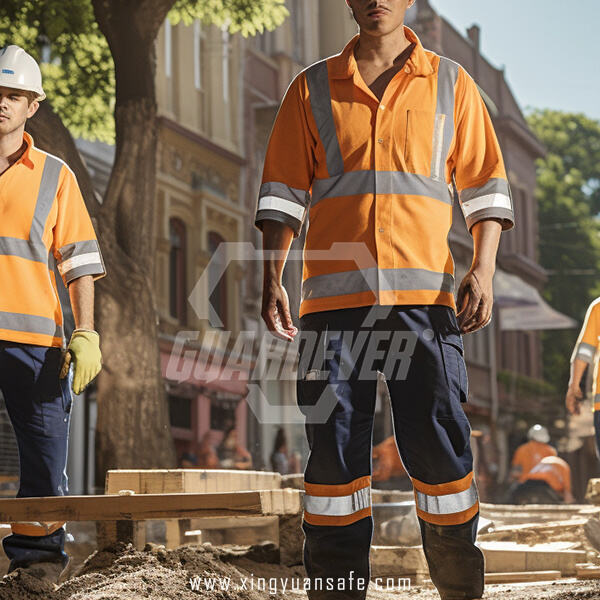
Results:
380 140
381 230
381 106
407 69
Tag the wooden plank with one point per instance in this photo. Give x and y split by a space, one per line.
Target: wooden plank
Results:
232 522
173 481
586 571
147 506
502 559
521 576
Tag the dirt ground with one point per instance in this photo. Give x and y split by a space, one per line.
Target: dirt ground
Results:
125 573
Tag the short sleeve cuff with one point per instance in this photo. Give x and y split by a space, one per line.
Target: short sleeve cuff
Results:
79 259
489 201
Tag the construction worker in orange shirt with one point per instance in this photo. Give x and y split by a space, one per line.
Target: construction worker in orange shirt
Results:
368 147
548 482
585 355
528 455
44 225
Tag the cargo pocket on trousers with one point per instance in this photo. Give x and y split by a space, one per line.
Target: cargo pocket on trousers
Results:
54 401
316 400
454 365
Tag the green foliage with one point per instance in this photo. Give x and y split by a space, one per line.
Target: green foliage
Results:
568 194
79 78
248 17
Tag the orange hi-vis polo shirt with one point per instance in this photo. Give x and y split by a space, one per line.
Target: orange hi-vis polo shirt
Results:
376 178
43 222
555 472
586 347
529 454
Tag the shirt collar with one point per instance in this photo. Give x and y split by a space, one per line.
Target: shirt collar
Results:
24 158
343 65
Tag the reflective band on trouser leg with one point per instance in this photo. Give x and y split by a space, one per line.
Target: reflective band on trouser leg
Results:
450 503
36 528
337 504
596 402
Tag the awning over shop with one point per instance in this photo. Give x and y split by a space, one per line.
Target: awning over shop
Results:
521 307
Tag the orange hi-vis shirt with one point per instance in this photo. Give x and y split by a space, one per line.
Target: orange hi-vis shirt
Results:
586 347
530 454
555 472
43 222
376 178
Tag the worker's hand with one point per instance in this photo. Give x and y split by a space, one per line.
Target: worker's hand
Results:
573 399
475 300
84 351
276 311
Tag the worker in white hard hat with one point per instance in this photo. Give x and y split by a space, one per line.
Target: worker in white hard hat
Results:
528 455
44 225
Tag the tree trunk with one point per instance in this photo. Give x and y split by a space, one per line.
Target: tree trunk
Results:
133 428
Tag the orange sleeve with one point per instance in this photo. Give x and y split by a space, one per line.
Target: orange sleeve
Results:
476 159
75 245
587 342
288 170
518 457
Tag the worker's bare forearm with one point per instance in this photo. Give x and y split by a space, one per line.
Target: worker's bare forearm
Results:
277 239
81 292
486 237
577 369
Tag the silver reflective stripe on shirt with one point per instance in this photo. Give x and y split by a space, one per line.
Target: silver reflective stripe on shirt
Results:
385 182
443 131
447 503
338 506
30 323
46 194
586 352
374 279
317 79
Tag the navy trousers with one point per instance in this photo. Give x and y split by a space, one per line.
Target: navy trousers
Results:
420 352
39 406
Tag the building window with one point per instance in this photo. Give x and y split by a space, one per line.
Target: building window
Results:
217 278
168 48
225 61
180 412
198 55
177 268
222 414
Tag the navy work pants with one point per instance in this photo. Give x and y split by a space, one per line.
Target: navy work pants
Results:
39 406
419 350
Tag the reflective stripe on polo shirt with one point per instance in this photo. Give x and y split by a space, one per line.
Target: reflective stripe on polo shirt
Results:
381 174
449 503
586 347
343 504
44 224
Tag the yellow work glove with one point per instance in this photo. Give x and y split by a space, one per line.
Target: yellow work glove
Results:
84 349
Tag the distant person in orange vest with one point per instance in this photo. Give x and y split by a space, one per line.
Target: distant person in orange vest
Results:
549 479
528 455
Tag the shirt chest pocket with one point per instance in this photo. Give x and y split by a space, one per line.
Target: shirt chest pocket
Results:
423 141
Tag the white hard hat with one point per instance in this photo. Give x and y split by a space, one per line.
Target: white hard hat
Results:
20 71
538 433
